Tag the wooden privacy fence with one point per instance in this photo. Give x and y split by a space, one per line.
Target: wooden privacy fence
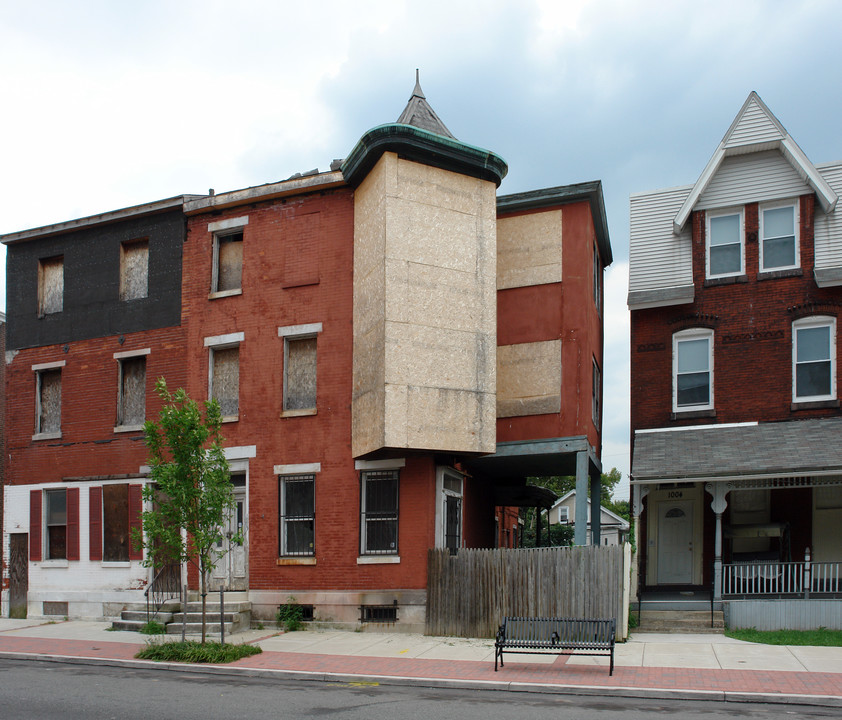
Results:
469 593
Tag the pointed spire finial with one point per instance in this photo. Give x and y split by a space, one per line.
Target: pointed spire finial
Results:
417 91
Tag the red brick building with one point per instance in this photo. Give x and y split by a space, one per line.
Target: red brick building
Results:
395 349
734 293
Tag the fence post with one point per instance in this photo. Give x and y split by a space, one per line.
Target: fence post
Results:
222 615
807 583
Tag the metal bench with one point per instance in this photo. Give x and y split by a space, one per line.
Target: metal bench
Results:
560 636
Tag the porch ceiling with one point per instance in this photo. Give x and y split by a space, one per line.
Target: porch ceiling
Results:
516 461
795 448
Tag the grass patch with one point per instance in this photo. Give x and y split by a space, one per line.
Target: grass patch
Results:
821 637
195 652
153 627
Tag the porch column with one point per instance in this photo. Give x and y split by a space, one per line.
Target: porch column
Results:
580 533
596 512
718 505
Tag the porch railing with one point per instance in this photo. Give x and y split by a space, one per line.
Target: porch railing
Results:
782 579
166 585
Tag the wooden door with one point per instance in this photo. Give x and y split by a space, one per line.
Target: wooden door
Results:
18 574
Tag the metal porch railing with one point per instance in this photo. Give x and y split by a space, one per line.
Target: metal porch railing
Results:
166 585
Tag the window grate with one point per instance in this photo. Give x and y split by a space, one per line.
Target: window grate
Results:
379 613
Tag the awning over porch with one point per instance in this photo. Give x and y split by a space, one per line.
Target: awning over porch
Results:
798 448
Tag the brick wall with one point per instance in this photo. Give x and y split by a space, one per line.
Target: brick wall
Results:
752 323
276 292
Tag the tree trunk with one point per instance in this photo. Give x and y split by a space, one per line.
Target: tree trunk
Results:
204 584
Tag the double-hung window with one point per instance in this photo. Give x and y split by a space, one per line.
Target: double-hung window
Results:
224 373
298 514
692 360
725 249
814 359
379 512
779 237
56 521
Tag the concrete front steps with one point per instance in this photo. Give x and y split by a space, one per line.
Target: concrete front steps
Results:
237 616
133 617
680 621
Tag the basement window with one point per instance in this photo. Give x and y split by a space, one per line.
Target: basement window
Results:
378 613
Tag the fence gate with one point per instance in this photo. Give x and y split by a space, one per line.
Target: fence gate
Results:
469 593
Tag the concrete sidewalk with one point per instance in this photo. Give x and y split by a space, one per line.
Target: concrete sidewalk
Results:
710 667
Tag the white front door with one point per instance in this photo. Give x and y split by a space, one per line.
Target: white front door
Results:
675 542
231 571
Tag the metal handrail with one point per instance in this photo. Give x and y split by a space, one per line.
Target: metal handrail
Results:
164 586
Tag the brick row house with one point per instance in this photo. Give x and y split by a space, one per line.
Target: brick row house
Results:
386 341
735 290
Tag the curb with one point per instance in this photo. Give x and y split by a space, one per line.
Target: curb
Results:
445 683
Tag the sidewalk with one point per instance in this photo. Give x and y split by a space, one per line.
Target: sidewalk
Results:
699 667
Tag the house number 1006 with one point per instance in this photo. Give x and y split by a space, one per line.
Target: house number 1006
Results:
675 494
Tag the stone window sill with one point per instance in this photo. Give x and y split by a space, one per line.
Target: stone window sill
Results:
224 294
378 560
296 561
814 405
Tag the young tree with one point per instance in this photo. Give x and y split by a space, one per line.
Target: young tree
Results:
191 493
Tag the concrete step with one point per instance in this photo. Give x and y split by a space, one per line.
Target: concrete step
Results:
195 628
140 616
680 621
233 606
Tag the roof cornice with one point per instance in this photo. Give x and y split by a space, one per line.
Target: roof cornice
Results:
424 147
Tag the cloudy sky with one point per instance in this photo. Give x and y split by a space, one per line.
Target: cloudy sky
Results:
107 104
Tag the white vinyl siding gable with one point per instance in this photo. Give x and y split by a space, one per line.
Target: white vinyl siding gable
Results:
828 227
754 126
758 177
658 259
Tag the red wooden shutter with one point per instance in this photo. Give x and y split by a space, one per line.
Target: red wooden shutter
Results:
96 523
35 531
72 523
135 520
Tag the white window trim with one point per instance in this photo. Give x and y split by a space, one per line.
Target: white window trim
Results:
720 213
442 493
222 342
131 353
281 471
807 322
365 558
220 229
796 211
296 332
38 368
691 334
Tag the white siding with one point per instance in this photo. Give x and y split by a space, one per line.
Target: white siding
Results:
658 258
828 228
757 177
755 126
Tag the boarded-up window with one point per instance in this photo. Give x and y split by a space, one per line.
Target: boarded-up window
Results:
132 403
50 285
228 262
134 270
115 523
56 524
48 413
300 374
225 379
301 235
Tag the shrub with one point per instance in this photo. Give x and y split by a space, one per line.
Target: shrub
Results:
196 652
153 627
290 615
